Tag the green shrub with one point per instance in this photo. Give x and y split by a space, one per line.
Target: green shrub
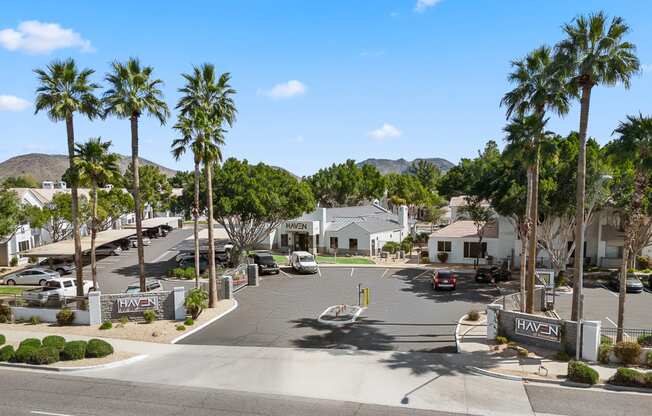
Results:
645 340
630 377
25 353
149 315
648 358
391 247
66 316
643 262
34 320
189 322
106 325
187 273
473 315
603 353
561 279
124 320
5 313
582 373
7 353
501 340
14 261
181 328
44 355
54 341
606 340
31 342
98 348
2 339
196 302
442 257
74 350
627 352
562 356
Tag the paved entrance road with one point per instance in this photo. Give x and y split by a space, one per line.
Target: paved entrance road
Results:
405 313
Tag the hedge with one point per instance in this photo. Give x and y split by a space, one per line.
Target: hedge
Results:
582 373
25 353
631 378
54 341
98 348
7 353
74 350
44 355
30 342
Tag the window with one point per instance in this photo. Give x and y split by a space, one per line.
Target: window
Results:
472 250
67 283
23 245
444 246
284 240
333 242
614 252
353 244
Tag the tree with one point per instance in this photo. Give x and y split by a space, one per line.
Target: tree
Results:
407 189
134 92
540 87
13 214
466 177
112 204
426 172
346 184
592 54
481 215
26 181
632 149
180 178
207 105
63 91
252 200
96 166
58 215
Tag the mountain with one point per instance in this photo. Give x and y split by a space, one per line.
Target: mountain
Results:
386 166
43 167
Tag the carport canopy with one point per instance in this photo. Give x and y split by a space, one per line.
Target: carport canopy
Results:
156 222
66 248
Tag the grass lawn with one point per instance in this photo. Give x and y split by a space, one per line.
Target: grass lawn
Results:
283 260
11 290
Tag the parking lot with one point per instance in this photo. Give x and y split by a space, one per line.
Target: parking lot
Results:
404 314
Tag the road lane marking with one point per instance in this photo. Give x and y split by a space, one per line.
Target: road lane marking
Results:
38 412
286 275
608 290
384 273
351 272
319 271
421 274
159 258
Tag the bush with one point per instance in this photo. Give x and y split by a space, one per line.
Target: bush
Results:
25 353
196 302
44 355
124 320
7 353
627 352
98 348
648 358
442 257
606 340
603 353
561 279
106 325
2 339
5 313
14 261
66 316
34 320
501 340
562 356
189 322
74 350
31 342
582 373
54 341
643 262
645 340
182 273
632 378
149 315
181 328
391 247
473 315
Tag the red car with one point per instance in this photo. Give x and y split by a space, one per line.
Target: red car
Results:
444 279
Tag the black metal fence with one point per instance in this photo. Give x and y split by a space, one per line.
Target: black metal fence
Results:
629 334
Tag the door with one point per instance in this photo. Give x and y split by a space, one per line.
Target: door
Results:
300 242
28 277
373 247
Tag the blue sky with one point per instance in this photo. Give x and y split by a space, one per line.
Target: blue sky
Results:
318 81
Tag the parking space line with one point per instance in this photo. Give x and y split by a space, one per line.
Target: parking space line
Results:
384 273
608 290
159 258
286 275
421 274
38 412
351 272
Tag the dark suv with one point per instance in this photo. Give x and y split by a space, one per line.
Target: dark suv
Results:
266 263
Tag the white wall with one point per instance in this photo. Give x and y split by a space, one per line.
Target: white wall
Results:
456 255
48 315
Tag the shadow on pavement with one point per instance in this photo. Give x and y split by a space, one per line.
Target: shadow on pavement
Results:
359 336
467 290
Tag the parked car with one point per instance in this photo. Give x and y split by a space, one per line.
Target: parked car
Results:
55 290
493 274
167 228
34 276
60 265
150 286
303 262
444 279
265 262
633 283
108 250
124 244
133 241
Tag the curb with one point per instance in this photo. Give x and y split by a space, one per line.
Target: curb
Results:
205 324
72 369
457 333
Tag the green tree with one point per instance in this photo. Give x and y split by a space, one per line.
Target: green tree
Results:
426 172
154 188
133 92
26 181
63 91
96 166
112 204
180 178
13 214
346 184
58 215
466 177
481 215
593 53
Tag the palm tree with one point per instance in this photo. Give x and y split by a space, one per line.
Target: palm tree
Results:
134 92
540 86
592 54
95 166
633 148
63 91
208 99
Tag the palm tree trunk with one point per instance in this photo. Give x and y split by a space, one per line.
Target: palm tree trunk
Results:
622 294
94 236
212 282
532 243
524 242
137 204
74 207
581 202
196 222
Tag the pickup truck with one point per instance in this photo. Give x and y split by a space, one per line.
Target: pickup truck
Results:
55 290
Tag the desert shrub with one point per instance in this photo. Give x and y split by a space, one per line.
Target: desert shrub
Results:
473 315
627 352
180 327
189 322
562 356
7 353
522 352
124 320
582 373
648 358
5 313
196 302
501 340
442 257
643 262
645 340
31 342
630 377
54 341
14 261
66 316
2 339
149 315
74 350
182 273
603 353
25 353
98 348
391 247
606 340
106 325
34 320
44 355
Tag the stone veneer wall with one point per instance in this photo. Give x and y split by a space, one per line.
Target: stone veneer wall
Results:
507 327
165 308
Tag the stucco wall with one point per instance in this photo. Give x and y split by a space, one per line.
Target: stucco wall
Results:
507 327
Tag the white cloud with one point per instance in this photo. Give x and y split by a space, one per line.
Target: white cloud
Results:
288 89
386 131
36 37
422 5
11 103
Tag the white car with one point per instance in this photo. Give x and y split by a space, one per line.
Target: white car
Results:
55 290
303 262
133 241
34 276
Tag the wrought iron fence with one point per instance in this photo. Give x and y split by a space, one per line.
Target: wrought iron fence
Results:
629 334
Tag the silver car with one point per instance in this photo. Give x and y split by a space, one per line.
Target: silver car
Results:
133 241
35 276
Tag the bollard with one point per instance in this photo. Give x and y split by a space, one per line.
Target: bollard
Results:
252 275
492 320
227 287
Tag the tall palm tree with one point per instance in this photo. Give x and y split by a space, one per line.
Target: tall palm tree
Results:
209 99
95 166
540 86
593 53
63 91
133 92
633 148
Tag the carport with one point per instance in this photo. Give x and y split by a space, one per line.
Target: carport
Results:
157 222
66 248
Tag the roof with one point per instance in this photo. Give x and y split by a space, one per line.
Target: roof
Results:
378 226
67 247
460 201
156 222
359 213
466 229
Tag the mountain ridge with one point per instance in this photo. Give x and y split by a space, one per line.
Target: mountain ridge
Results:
386 166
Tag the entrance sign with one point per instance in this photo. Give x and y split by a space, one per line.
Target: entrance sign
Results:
299 226
136 304
538 329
